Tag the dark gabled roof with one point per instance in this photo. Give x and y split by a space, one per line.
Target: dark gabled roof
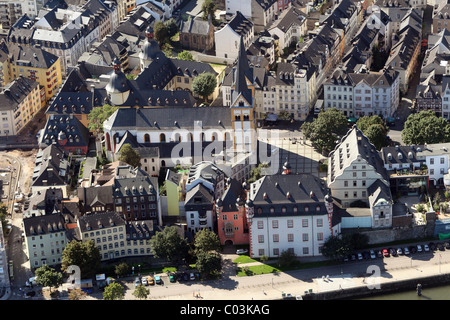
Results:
76 133
191 68
288 18
100 220
138 185
110 49
400 154
302 191
46 224
377 191
240 24
16 92
265 4
31 56
230 196
195 26
51 167
241 73
143 229
71 103
183 118
92 195
199 198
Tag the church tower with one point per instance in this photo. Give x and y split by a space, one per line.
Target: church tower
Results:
243 104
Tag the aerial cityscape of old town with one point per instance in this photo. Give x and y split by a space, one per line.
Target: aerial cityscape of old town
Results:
200 150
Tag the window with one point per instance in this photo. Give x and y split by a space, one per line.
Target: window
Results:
275 224
319 236
442 160
305 223
290 223
305 237
260 224
261 238
319 223
276 238
290 237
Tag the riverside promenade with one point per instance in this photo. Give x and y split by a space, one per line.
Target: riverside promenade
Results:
313 284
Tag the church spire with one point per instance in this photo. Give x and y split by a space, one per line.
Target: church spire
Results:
241 74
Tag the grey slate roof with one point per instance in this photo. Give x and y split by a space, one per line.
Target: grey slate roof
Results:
400 154
67 124
100 220
51 167
16 92
289 191
155 118
195 26
30 56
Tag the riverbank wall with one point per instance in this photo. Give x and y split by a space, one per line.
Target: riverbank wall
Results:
384 288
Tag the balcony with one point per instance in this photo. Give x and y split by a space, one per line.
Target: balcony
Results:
408 173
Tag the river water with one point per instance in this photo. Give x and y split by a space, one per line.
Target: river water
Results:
434 293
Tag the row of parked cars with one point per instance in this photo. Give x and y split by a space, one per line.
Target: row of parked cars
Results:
173 277
387 252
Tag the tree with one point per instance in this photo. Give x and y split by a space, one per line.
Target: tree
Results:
206 241
209 263
365 122
98 115
335 248
209 7
129 155
122 269
84 254
185 55
141 292
324 131
376 135
204 85
3 215
77 294
287 258
48 277
115 291
167 244
172 27
425 127
257 172
161 33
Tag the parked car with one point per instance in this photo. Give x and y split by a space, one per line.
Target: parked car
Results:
372 254
406 251
399 251
31 282
137 282
412 249
242 251
158 280
353 257
144 281
360 256
386 253
366 255
171 278
447 245
440 246
432 246
346 258
191 276
379 254
419 248
30 294
426 248
150 280
185 276
393 252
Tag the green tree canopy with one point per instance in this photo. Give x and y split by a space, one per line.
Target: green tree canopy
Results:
209 263
185 55
204 85
129 155
161 32
122 269
375 129
167 244
208 7
335 248
114 291
3 216
206 241
141 292
425 127
84 254
365 122
325 130
172 27
48 277
98 115
257 172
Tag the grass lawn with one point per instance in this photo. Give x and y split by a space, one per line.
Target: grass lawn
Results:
244 259
256 270
218 67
